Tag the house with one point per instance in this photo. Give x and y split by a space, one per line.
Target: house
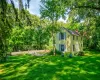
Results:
68 41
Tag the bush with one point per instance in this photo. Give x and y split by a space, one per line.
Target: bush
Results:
56 51
81 53
67 53
98 46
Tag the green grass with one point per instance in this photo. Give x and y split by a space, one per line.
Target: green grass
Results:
27 67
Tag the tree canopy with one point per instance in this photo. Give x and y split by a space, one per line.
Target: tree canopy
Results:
36 32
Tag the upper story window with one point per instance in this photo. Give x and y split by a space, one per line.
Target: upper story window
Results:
62 36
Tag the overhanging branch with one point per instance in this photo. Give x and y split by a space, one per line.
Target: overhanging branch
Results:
89 7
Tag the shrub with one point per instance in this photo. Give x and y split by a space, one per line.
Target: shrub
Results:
81 53
67 53
56 51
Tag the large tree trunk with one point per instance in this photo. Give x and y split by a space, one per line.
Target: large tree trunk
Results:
53 36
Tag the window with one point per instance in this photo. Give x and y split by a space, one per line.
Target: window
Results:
62 47
61 36
73 37
73 47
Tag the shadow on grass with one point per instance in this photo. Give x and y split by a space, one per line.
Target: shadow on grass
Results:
51 68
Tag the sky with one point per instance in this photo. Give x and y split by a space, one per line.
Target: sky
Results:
34 7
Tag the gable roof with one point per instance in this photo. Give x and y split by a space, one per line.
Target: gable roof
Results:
71 32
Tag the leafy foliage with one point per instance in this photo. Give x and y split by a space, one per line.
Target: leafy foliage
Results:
84 16
56 51
6 24
9 17
22 31
29 38
52 10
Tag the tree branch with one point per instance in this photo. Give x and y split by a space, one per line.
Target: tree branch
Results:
89 7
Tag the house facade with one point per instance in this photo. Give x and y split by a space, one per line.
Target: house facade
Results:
68 41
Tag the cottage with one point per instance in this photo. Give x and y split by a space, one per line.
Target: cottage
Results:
68 41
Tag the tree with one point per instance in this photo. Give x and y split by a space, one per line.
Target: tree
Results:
83 14
7 22
31 37
87 13
52 10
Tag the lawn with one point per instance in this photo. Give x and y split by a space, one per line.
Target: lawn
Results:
26 67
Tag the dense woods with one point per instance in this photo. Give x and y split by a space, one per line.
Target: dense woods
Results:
20 30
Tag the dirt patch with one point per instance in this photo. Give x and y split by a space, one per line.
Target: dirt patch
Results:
33 52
